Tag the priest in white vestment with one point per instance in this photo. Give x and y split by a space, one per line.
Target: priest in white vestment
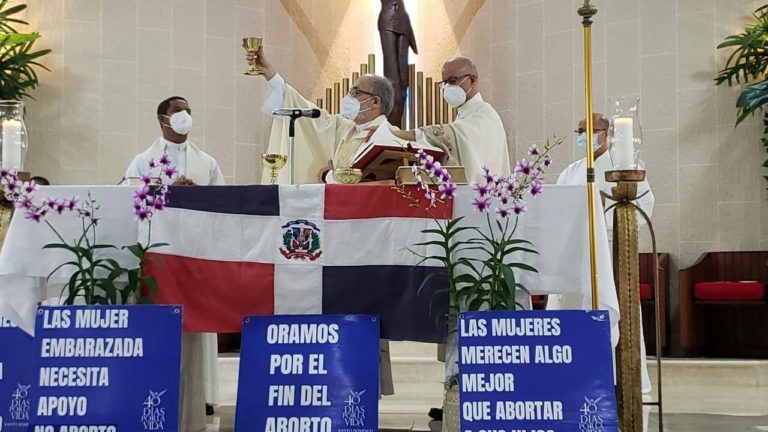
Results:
476 138
175 119
576 174
332 140
199 350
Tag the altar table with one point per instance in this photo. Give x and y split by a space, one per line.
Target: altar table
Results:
556 223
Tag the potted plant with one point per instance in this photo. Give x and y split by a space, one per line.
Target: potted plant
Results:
17 58
747 65
481 263
95 278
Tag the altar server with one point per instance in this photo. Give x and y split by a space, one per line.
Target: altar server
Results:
576 174
175 118
199 350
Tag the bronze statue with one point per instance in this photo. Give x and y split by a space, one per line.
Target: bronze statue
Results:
396 37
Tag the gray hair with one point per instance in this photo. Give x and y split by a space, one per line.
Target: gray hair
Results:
382 88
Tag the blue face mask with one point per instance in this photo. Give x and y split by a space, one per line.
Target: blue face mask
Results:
581 141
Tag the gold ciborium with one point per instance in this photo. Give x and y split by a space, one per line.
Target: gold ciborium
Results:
274 162
252 45
347 175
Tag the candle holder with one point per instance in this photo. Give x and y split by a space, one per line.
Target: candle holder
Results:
13 135
625 135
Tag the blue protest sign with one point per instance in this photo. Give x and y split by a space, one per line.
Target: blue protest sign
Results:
15 377
111 368
548 371
312 373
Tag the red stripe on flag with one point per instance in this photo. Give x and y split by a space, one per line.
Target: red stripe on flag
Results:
216 295
377 201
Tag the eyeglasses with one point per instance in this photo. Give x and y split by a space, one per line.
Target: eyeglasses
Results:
354 91
580 131
453 80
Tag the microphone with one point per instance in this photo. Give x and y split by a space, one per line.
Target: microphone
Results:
297 112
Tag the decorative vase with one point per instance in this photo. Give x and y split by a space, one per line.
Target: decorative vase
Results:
625 136
13 135
451 410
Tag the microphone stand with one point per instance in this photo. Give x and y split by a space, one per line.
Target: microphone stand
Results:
291 138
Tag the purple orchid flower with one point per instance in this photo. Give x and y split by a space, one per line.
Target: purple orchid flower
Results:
34 215
142 194
503 212
519 207
481 189
447 190
143 214
24 202
533 151
71 203
170 171
536 188
165 160
481 204
524 167
159 204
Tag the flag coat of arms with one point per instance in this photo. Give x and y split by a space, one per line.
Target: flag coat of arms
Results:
311 249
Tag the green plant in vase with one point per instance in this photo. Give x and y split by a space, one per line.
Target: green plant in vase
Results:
95 277
481 263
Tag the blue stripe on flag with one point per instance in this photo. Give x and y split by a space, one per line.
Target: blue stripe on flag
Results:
392 292
244 200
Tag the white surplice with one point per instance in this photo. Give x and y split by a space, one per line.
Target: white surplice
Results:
475 139
201 168
188 159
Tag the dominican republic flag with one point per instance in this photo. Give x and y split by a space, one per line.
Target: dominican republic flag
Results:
314 249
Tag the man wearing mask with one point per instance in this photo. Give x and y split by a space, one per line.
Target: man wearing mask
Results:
476 138
331 140
194 165
199 375
576 174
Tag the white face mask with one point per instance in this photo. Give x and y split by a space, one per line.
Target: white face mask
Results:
181 122
581 141
454 95
350 107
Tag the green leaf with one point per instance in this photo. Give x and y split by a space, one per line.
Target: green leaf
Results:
68 263
137 250
524 267
151 283
476 304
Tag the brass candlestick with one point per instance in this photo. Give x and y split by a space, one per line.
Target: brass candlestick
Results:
274 162
252 45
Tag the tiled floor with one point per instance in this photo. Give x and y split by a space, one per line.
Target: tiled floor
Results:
699 395
224 419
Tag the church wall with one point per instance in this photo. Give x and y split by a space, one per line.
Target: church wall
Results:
705 174
113 61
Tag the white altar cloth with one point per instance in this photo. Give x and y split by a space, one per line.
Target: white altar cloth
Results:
556 223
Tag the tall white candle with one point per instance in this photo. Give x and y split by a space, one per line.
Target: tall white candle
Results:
11 143
623 147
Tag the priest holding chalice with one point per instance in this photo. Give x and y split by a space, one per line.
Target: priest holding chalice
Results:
327 147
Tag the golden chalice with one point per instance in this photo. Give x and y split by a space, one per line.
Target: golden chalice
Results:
274 162
252 45
348 175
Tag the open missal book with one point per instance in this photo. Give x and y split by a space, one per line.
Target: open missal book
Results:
381 161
